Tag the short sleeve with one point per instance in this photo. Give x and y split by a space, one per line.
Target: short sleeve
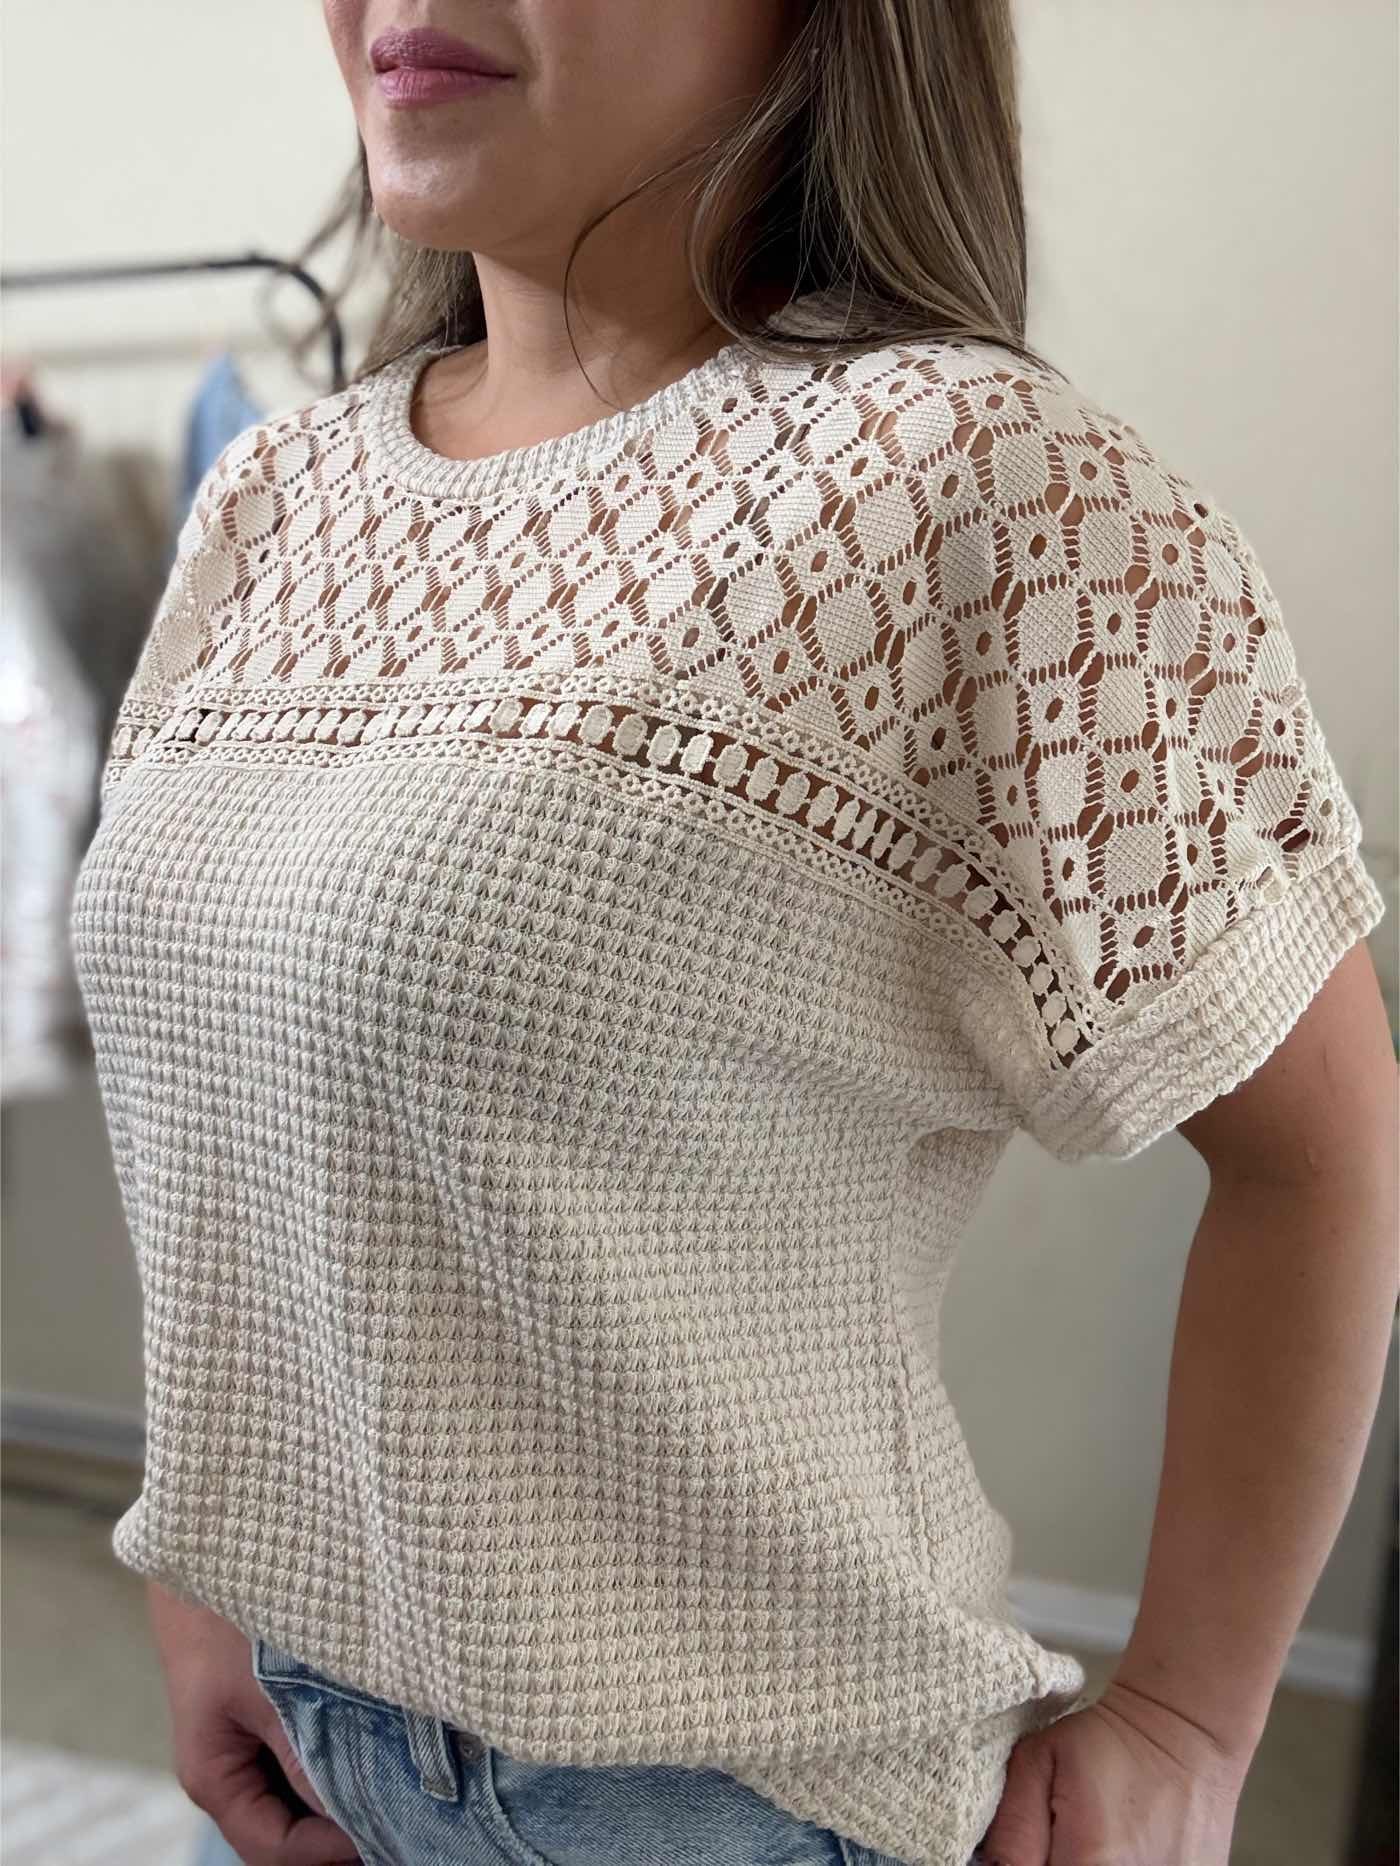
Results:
1152 841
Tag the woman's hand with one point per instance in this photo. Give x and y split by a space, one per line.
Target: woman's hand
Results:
1126 1781
220 1720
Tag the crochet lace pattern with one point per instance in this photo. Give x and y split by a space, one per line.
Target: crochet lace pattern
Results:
570 935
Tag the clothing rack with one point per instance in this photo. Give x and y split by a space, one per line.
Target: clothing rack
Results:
46 277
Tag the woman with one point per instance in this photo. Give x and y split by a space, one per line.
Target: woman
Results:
603 848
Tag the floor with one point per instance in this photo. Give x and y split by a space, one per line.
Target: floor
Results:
80 1675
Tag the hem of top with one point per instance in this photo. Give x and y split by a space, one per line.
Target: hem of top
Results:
1200 1039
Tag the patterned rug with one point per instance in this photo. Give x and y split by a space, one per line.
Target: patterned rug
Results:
58 1809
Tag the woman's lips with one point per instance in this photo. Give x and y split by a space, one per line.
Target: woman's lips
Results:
434 84
427 45
422 65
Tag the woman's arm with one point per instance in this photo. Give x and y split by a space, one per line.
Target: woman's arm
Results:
1284 1325
1285 1320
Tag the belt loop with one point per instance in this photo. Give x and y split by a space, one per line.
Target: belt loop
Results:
432 1752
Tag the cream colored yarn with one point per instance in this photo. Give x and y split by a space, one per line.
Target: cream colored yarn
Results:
569 937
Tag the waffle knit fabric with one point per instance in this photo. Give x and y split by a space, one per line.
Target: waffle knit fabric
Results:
570 934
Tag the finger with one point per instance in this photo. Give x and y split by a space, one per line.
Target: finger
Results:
264 1831
1020 1831
275 1736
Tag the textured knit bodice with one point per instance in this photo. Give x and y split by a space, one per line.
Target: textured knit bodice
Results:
568 939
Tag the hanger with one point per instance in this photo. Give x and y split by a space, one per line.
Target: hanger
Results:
49 277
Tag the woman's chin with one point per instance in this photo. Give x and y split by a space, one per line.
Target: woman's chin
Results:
415 218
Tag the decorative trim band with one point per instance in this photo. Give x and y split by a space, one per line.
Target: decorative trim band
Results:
924 870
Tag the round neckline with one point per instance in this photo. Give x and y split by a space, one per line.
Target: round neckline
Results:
405 459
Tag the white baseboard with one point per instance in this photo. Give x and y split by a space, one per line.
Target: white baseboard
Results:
1051 1611
72 1427
1333 1664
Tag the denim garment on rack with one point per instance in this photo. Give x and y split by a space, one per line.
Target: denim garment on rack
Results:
222 408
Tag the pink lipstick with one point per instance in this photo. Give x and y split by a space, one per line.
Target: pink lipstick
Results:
421 65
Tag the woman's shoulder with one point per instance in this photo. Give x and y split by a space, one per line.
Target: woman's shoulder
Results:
282 443
1022 433
972 385
917 397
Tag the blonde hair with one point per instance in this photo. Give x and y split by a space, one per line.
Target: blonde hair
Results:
880 166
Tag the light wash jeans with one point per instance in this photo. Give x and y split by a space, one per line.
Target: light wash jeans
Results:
411 1790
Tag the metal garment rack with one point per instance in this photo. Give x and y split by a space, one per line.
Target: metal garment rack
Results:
48 277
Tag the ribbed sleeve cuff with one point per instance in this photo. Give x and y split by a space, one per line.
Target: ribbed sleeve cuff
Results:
1214 1026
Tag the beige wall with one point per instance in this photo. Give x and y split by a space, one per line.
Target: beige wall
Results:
1212 193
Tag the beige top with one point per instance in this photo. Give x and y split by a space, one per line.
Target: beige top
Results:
569 937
